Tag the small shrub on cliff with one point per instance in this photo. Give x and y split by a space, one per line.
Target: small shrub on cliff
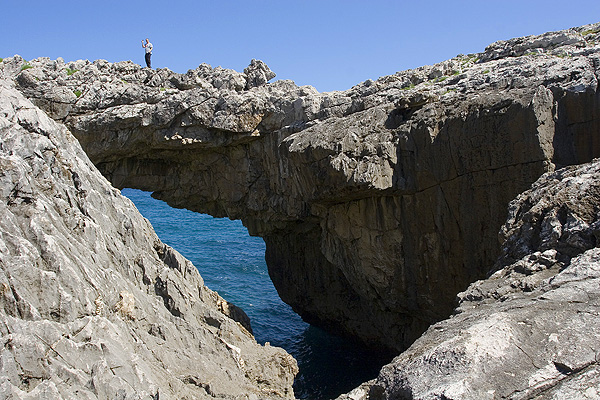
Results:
1 60
26 66
77 92
71 71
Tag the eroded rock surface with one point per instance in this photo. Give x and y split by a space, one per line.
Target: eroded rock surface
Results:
92 304
377 204
529 331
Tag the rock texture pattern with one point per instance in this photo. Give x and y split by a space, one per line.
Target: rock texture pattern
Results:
377 204
92 304
529 331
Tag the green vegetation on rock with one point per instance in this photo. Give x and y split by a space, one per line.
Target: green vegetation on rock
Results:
590 32
474 59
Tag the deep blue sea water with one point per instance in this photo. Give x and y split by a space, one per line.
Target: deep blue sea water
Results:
232 263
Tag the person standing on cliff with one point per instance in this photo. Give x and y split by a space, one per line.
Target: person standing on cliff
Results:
148 47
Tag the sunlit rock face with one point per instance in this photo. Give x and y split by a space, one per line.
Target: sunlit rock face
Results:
377 204
92 304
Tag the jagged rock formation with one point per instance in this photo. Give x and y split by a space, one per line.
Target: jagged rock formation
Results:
529 331
378 204
92 304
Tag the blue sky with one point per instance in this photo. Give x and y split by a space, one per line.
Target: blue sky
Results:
329 44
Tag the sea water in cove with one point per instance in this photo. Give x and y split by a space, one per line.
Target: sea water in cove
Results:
232 263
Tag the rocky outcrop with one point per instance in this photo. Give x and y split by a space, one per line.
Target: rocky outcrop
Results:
92 304
529 331
378 204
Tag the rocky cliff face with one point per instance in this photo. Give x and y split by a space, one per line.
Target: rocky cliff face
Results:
92 304
378 204
529 331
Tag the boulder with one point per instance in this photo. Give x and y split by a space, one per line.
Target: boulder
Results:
257 74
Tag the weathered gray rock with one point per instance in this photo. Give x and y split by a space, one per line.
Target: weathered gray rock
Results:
377 204
92 304
257 74
529 331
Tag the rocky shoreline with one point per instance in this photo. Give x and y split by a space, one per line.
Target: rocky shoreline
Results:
378 205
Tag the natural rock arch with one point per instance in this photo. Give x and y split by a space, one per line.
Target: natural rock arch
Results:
378 204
